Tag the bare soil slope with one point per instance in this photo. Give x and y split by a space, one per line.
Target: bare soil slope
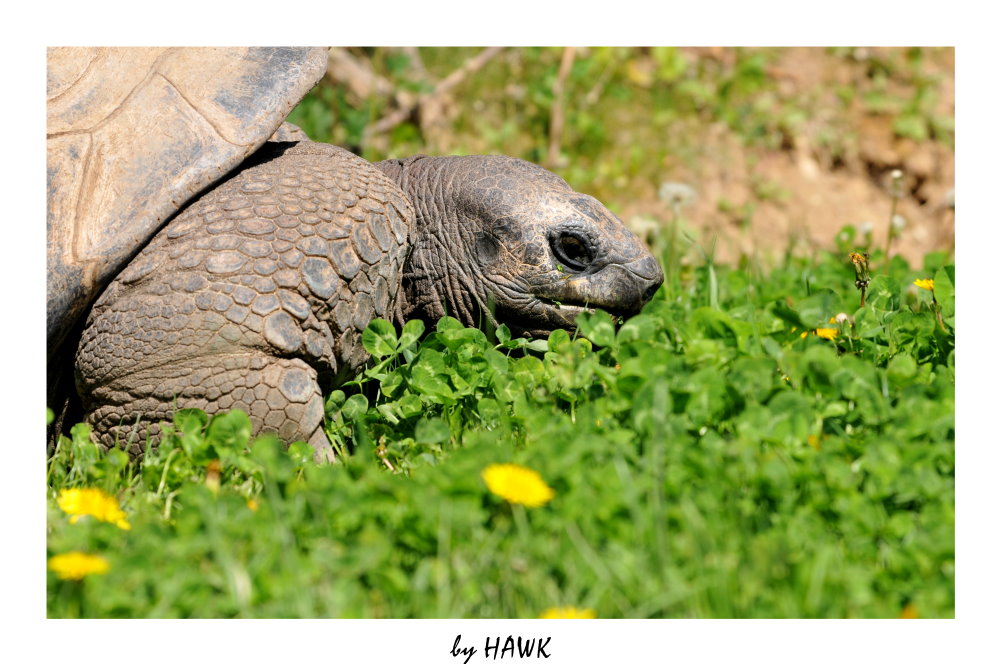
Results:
757 200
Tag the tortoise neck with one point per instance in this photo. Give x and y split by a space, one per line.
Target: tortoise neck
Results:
439 277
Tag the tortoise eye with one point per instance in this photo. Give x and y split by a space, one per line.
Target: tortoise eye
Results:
572 250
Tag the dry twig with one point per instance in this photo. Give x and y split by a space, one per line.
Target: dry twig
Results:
556 114
453 79
356 74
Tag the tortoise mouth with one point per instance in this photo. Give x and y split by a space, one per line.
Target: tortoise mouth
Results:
571 310
548 314
621 290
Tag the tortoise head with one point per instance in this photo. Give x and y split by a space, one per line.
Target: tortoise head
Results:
501 238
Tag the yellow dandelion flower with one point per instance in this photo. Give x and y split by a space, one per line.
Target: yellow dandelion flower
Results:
76 565
568 612
909 611
926 284
92 502
813 441
826 332
517 484
252 505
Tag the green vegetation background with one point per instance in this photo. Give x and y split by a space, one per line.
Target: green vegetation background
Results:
713 457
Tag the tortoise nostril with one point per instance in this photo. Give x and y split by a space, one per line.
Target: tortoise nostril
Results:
647 268
650 292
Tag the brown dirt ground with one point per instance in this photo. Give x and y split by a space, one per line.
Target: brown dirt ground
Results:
817 194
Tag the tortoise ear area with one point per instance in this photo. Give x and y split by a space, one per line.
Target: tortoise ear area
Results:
486 248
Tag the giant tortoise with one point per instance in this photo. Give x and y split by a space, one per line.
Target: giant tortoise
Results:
218 269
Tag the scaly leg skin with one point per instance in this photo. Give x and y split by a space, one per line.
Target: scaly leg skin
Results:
252 298
279 394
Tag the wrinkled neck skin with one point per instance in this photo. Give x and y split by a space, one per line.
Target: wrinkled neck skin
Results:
501 240
439 276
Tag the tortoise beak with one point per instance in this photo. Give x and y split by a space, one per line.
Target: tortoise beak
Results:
627 287
618 288
647 275
621 289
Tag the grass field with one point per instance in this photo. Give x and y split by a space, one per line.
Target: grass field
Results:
734 451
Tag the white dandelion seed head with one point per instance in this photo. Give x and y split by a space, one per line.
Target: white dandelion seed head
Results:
677 194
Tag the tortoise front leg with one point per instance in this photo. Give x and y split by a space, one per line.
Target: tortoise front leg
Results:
280 395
